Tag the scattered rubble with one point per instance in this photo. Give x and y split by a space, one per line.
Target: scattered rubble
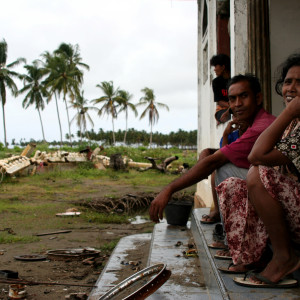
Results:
17 163
72 254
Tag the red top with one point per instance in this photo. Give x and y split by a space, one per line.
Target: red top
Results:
238 151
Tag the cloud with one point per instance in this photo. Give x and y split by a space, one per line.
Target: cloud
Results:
134 43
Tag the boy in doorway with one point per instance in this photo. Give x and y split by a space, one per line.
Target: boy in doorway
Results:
221 64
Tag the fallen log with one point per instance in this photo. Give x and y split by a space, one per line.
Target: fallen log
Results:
162 167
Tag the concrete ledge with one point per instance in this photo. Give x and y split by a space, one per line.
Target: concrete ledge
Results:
108 275
201 236
186 281
213 277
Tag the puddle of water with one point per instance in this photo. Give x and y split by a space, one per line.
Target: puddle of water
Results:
138 220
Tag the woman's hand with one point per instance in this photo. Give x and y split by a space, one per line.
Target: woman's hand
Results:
294 107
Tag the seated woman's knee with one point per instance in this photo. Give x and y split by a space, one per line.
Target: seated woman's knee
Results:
252 177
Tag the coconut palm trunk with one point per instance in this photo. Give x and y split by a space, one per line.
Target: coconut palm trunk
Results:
150 144
44 140
59 123
70 137
4 125
126 127
113 131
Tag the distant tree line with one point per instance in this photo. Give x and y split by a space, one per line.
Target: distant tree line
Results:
181 138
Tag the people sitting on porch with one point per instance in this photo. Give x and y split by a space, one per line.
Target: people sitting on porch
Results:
245 100
232 132
221 64
267 205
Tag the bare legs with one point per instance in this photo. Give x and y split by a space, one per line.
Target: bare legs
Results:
216 211
214 214
269 210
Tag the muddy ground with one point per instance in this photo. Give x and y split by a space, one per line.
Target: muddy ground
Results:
58 279
73 276
67 271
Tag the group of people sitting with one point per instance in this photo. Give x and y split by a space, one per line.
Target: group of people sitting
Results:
257 179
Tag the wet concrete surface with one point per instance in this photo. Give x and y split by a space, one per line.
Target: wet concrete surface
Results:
193 277
203 236
186 281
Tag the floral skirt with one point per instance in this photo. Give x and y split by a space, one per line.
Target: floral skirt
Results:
246 233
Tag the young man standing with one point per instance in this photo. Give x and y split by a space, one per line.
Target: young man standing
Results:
221 64
245 100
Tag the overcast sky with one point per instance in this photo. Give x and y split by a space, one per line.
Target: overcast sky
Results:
134 43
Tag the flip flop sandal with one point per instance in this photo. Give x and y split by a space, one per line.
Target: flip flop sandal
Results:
224 257
265 282
227 270
213 220
211 246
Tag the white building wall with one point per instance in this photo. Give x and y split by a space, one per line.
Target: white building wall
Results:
209 134
238 37
207 129
284 39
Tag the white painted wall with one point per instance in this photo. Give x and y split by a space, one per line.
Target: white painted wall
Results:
209 134
206 105
284 39
238 37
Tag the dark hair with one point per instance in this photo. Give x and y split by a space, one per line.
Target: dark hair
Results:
250 78
291 61
222 60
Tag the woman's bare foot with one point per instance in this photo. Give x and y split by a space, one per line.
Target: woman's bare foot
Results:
224 252
239 268
213 217
278 268
218 245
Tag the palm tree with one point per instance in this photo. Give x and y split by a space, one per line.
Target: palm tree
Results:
82 115
124 98
151 109
49 65
72 55
36 90
110 100
65 75
6 79
62 80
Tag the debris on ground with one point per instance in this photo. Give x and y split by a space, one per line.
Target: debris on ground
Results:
54 232
163 166
72 254
8 230
30 257
77 296
128 203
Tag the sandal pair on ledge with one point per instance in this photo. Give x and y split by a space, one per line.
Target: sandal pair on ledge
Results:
254 279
